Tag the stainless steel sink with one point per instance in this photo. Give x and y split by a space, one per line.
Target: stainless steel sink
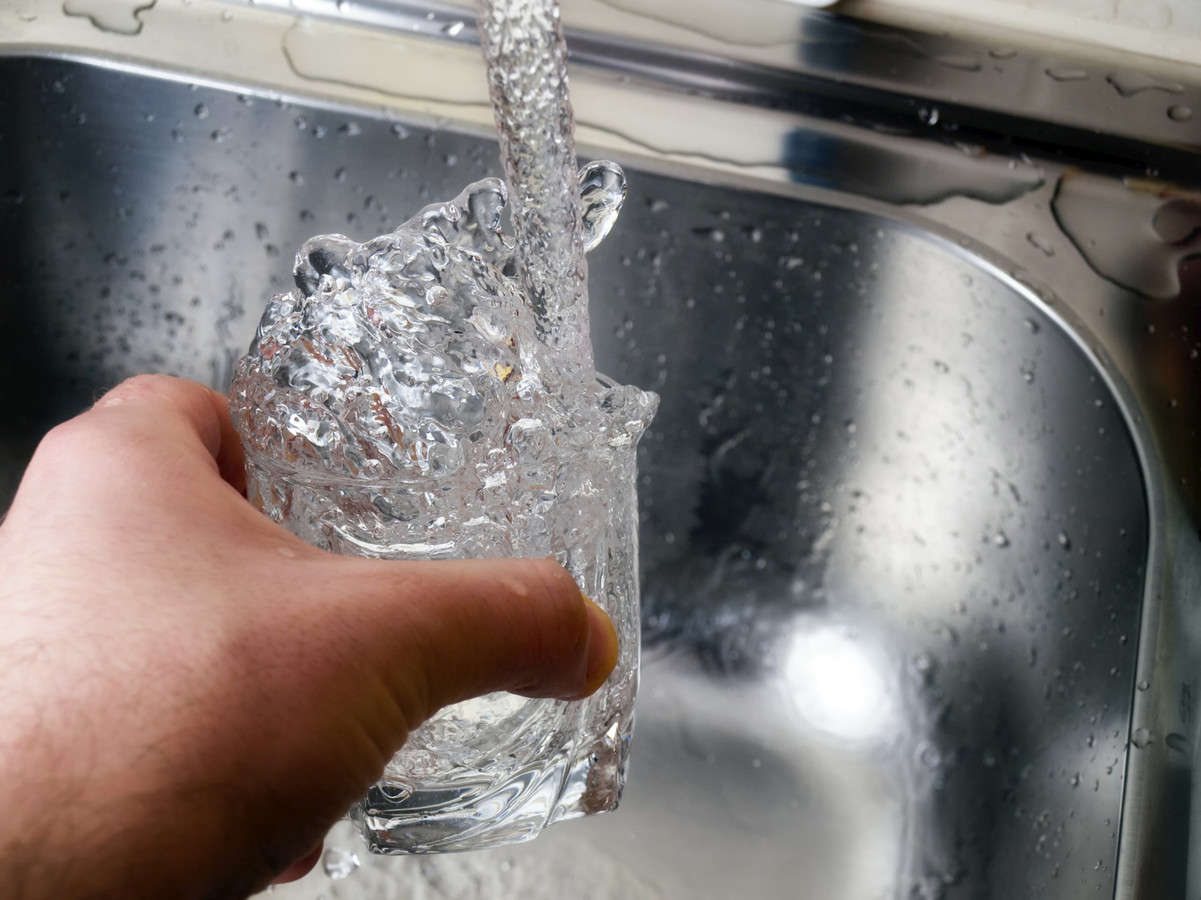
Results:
919 511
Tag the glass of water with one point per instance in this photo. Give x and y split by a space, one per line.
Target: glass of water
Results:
396 405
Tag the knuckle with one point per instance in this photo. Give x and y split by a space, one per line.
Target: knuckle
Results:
554 581
560 595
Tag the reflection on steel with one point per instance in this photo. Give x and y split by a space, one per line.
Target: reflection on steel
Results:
919 509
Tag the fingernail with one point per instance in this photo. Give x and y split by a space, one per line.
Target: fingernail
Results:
603 646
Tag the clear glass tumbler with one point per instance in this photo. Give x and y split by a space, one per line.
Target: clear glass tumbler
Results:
497 769
400 403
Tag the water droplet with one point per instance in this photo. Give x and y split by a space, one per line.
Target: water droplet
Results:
1144 685
1065 73
1065 540
1002 53
929 756
227 15
338 863
928 115
1041 243
963 63
1001 539
400 131
201 111
1129 84
1146 260
922 667
220 134
1177 742
452 29
1179 113
602 193
1141 738
350 129
295 177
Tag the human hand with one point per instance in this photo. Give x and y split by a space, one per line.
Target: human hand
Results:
190 695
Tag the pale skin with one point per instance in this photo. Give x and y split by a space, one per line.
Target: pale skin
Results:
189 695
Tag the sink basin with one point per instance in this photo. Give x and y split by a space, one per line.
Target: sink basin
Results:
909 627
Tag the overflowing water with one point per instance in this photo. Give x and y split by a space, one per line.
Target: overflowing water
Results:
430 394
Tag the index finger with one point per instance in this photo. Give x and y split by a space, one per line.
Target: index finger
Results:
177 403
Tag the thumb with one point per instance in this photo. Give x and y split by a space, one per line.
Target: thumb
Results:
441 632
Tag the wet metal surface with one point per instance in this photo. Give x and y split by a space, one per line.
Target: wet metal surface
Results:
894 528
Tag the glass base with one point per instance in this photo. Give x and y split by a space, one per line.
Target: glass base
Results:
395 819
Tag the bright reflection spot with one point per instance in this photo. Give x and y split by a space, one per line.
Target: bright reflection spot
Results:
840 685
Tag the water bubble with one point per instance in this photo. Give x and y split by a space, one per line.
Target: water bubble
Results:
1144 685
1141 738
1180 113
201 111
338 863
